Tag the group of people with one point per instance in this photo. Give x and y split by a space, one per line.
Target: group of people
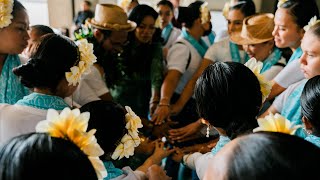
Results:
130 82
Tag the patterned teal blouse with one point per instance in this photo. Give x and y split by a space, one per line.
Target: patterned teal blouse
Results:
313 139
223 140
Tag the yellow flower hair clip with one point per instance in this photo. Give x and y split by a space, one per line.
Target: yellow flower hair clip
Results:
204 13
276 123
87 58
124 4
265 86
72 125
281 2
6 8
130 140
313 21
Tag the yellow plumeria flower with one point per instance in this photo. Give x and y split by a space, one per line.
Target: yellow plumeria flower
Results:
87 59
204 13
311 23
276 123
6 7
133 121
125 148
265 86
72 125
281 2
124 4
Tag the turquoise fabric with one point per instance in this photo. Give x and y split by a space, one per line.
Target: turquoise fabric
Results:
166 31
11 90
211 38
223 140
43 101
313 139
296 55
113 172
272 59
200 45
292 109
235 55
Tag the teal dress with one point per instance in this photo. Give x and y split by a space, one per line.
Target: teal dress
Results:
313 139
11 90
113 172
43 101
292 110
223 140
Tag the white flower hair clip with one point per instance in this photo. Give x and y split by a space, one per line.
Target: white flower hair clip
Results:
124 4
281 2
131 139
6 8
313 21
72 125
204 13
87 58
265 86
276 123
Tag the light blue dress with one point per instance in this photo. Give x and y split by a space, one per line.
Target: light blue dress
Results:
113 172
223 140
296 55
313 139
11 90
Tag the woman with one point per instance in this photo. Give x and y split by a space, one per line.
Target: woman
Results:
257 40
290 19
228 97
140 66
13 40
53 72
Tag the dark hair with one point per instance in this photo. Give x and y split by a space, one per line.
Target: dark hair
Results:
88 3
310 103
17 6
228 96
297 9
108 118
247 7
193 11
53 57
39 156
140 12
166 3
42 29
272 155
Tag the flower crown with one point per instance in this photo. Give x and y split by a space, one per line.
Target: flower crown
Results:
313 21
276 123
87 58
204 13
131 139
6 8
72 125
265 86
281 2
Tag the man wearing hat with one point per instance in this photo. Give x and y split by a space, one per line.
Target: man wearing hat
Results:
110 30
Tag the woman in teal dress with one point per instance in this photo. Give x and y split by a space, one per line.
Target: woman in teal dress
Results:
310 109
13 39
140 65
53 72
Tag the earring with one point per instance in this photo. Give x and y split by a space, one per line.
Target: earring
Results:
208 131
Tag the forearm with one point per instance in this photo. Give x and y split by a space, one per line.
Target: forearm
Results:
169 85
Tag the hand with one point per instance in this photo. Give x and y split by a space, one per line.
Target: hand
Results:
152 108
163 129
155 172
189 132
177 155
160 152
161 114
146 146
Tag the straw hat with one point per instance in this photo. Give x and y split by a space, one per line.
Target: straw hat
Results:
111 17
256 29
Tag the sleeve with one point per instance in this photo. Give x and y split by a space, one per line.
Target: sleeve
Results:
96 81
129 174
289 75
272 72
157 67
198 162
211 53
84 94
178 56
282 98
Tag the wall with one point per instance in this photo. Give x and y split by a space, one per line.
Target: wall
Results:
60 13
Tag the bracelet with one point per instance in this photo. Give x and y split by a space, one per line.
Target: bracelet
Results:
162 104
